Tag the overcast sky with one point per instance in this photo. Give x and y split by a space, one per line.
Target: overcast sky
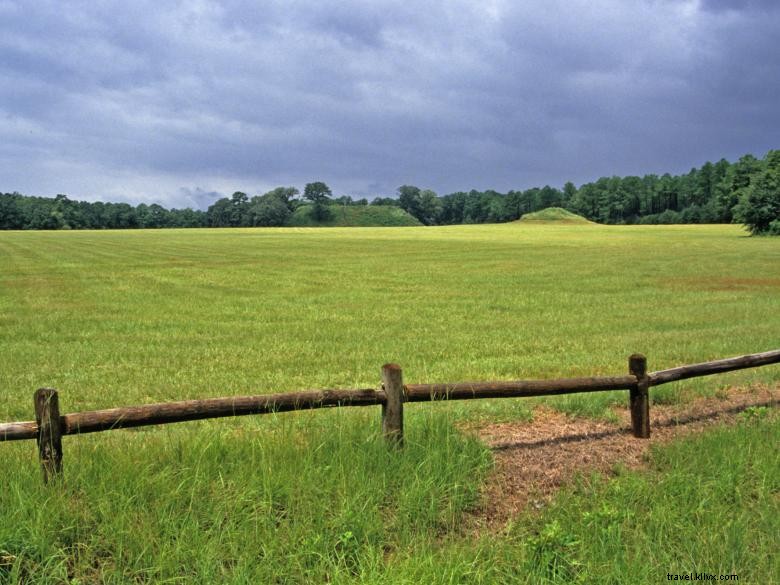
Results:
183 102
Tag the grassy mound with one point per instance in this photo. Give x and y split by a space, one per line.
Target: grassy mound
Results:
354 216
554 214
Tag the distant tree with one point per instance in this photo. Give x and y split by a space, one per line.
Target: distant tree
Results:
632 188
475 208
745 191
424 205
239 214
319 194
409 199
271 209
759 208
11 217
512 205
569 192
187 218
530 201
142 213
452 208
152 216
704 184
733 187
668 216
430 207
549 197
691 214
287 195
496 210
386 201
220 213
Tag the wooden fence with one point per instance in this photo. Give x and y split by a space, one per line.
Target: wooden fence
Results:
49 425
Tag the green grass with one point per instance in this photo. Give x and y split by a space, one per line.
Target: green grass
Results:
299 499
317 499
143 316
354 216
708 504
554 214
116 318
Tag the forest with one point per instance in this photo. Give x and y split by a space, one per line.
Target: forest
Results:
746 191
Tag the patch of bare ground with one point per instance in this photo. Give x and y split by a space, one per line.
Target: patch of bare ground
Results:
534 459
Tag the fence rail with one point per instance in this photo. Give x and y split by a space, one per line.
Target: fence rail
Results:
49 426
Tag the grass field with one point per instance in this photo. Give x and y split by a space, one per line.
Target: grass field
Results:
114 318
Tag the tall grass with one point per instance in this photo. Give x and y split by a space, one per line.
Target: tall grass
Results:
302 499
319 499
708 504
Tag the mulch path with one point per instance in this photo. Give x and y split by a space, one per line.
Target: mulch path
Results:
534 459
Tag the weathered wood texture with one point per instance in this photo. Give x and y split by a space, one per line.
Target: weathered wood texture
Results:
515 389
393 407
715 367
18 431
153 414
186 410
639 400
47 416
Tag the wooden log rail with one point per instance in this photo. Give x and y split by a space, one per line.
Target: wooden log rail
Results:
94 421
716 367
50 426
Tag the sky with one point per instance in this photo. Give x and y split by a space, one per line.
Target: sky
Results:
181 103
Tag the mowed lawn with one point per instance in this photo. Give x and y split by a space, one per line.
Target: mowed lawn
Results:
124 317
119 318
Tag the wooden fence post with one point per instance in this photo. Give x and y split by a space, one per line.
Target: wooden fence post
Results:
393 408
640 398
47 415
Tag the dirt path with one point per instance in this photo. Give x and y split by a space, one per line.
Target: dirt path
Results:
534 459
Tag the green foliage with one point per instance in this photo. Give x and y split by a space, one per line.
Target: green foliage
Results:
319 194
231 212
754 413
274 208
722 192
550 554
19 212
759 206
423 205
269 212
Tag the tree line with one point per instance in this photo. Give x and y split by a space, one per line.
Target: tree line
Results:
746 191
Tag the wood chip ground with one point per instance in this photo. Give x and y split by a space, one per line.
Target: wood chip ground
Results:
534 459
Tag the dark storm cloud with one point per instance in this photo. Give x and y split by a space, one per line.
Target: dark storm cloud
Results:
188 101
